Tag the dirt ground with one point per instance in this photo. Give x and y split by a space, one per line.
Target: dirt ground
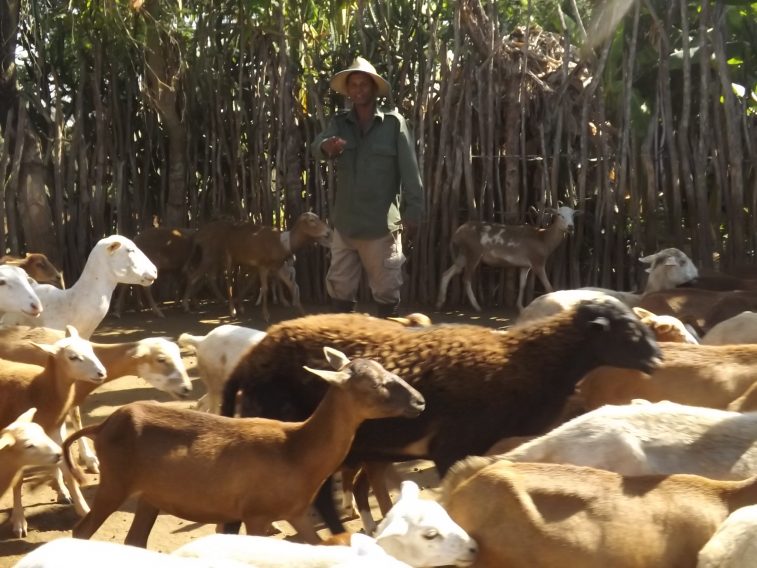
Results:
49 520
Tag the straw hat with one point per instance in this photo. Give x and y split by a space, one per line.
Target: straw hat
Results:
339 81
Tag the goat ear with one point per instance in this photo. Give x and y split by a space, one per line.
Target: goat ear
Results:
113 247
409 490
649 259
27 416
51 349
333 377
600 324
641 313
71 331
664 327
6 440
336 358
398 526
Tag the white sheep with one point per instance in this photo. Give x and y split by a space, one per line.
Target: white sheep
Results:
17 294
266 552
738 329
218 352
652 438
67 552
668 268
421 533
113 260
734 544
24 443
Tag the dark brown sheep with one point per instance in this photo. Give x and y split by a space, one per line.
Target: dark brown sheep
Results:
480 385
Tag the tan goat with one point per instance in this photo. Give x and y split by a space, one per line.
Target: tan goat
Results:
552 516
37 266
522 246
697 375
51 390
213 469
224 245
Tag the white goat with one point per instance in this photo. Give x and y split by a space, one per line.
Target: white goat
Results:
652 438
24 443
218 352
421 533
734 544
250 469
522 246
113 260
67 552
266 552
16 292
669 268
51 390
738 329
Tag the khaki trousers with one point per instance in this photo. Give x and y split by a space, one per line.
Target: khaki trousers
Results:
382 260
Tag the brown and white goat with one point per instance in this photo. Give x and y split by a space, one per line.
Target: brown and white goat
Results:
169 249
213 469
224 245
522 246
37 266
553 515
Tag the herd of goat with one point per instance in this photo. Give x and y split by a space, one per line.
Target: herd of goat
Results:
603 428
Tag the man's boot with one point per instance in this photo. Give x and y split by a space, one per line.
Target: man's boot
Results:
342 306
387 310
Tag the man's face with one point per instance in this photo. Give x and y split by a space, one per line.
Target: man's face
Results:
360 88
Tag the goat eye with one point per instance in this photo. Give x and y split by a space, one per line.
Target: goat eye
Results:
73 357
431 534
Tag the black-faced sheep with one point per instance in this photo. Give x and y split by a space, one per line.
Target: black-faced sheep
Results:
480 385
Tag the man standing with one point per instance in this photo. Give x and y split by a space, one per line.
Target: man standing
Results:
377 177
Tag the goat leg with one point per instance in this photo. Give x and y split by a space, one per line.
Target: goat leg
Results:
145 515
324 503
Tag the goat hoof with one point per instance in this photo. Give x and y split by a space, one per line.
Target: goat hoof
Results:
20 530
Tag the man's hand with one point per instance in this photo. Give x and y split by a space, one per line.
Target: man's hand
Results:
333 146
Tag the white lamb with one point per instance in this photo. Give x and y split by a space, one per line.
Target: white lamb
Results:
421 533
113 260
645 439
266 552
68 552
16 293
734 544
218 352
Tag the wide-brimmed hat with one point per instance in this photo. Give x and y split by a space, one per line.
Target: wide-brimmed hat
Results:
339 81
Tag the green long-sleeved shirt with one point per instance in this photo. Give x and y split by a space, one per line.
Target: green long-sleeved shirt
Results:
375 170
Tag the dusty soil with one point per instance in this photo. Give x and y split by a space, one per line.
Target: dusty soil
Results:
49 520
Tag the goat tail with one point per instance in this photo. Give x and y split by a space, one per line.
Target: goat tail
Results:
189 340
89 432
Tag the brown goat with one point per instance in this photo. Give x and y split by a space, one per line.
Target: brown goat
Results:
212 469
37 266
522 246
225 245
702 309
169 250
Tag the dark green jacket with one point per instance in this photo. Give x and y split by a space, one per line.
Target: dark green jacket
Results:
373 173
